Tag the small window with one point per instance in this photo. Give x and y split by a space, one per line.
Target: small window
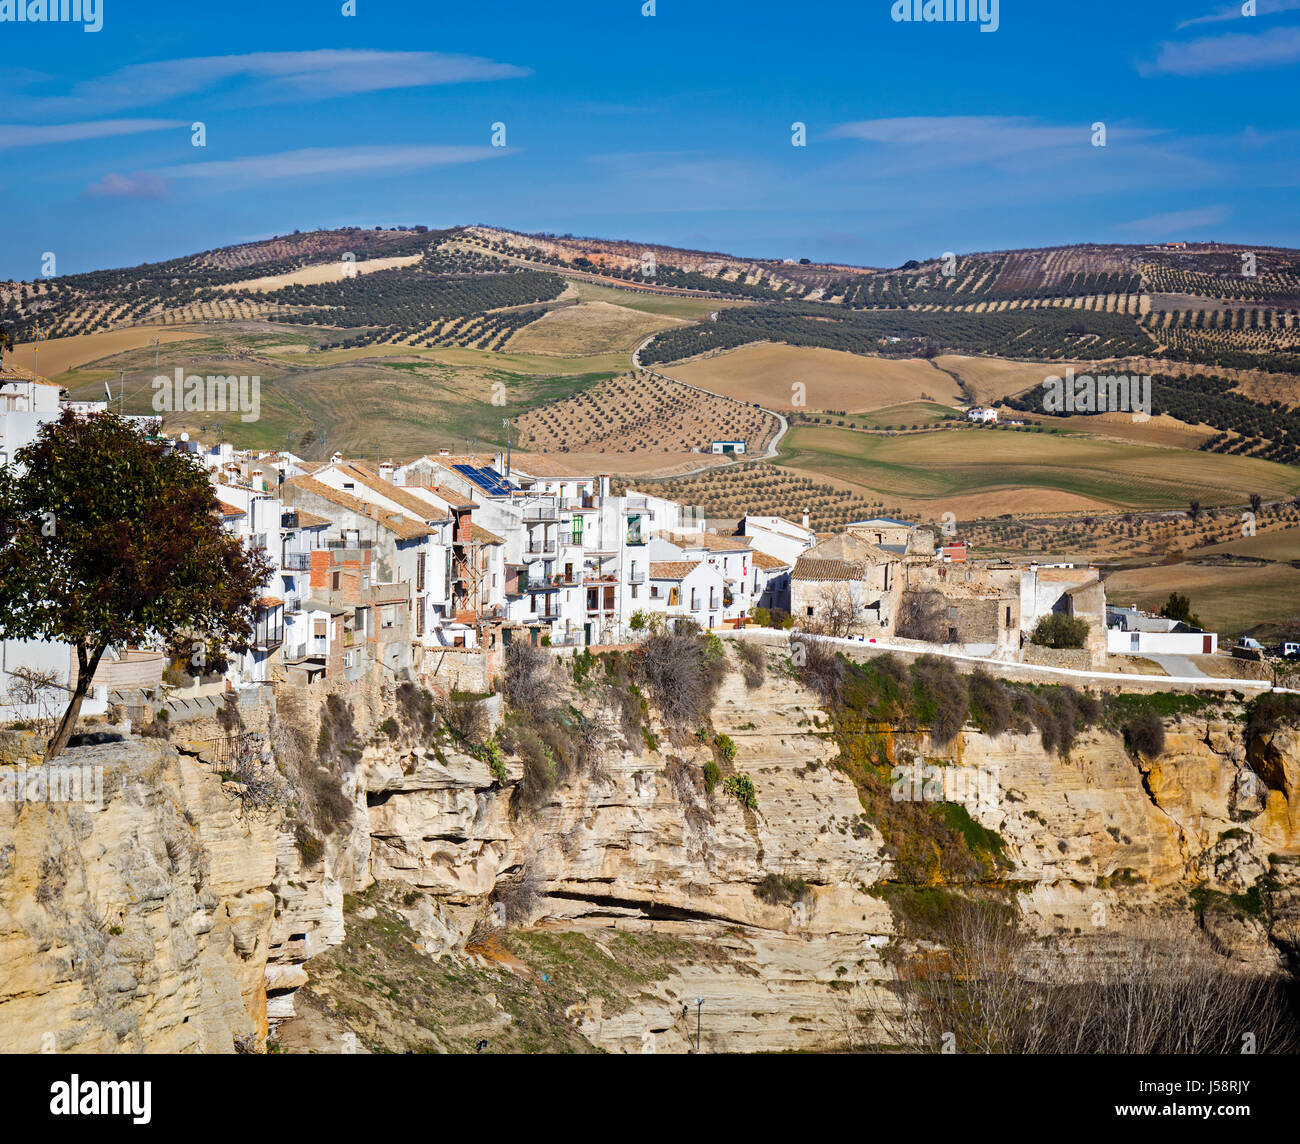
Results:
810 611
318 629
336 581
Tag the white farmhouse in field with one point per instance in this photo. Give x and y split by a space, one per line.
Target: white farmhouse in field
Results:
988 416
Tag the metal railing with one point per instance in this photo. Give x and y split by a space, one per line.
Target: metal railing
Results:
297 562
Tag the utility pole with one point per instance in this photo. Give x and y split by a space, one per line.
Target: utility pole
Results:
155 357
121 392
506 422
39 334
699 1008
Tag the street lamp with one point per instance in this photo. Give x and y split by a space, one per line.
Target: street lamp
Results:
699 1008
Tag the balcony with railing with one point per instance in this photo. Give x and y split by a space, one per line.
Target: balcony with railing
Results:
297 562
268 634
541 510
636 576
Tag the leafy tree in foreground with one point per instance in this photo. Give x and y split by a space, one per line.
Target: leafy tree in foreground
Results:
106 538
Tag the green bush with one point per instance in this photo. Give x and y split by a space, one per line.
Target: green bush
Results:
741 788
1060 631
1144 734
725 745
310 847
712 775
781 890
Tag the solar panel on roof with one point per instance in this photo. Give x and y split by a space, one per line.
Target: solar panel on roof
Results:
487 479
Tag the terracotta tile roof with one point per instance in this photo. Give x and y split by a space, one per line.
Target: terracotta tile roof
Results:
483 536
851 549
763 560
709 540
810 568
307 519
453 497
672 569
403 527
228 509
11 371
269 602
369 477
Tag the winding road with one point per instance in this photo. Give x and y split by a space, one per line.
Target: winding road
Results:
773 446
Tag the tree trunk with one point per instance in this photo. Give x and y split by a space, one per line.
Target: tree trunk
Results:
86 668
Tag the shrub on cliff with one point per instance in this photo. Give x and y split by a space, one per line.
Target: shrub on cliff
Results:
820 667
1144 734
529 682
940 699
465 718
682 671
781 890
990 703
752 661
1271 711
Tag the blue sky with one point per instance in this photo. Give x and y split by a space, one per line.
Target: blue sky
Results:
673 128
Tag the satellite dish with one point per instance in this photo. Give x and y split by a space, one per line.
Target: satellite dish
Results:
185 436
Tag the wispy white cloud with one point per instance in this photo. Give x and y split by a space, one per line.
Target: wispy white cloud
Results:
1231 52
25 135
316 161
268 77
915 143
1175 222
1234 12
141 185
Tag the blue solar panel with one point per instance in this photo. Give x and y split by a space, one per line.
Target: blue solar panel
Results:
488 479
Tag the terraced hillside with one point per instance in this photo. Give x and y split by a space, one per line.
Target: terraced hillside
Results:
639 412
766 490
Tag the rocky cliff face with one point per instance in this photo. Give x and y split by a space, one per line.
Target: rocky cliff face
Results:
1094 844
174 919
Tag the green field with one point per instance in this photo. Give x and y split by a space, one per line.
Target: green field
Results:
944 464
689 308
368 402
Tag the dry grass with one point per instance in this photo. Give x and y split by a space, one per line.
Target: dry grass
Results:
586 328
990 379
834 379
322 272
58 355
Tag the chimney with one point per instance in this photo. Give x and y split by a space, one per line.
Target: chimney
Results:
255 479
805 518
444 452
602 484
336 458
386 471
